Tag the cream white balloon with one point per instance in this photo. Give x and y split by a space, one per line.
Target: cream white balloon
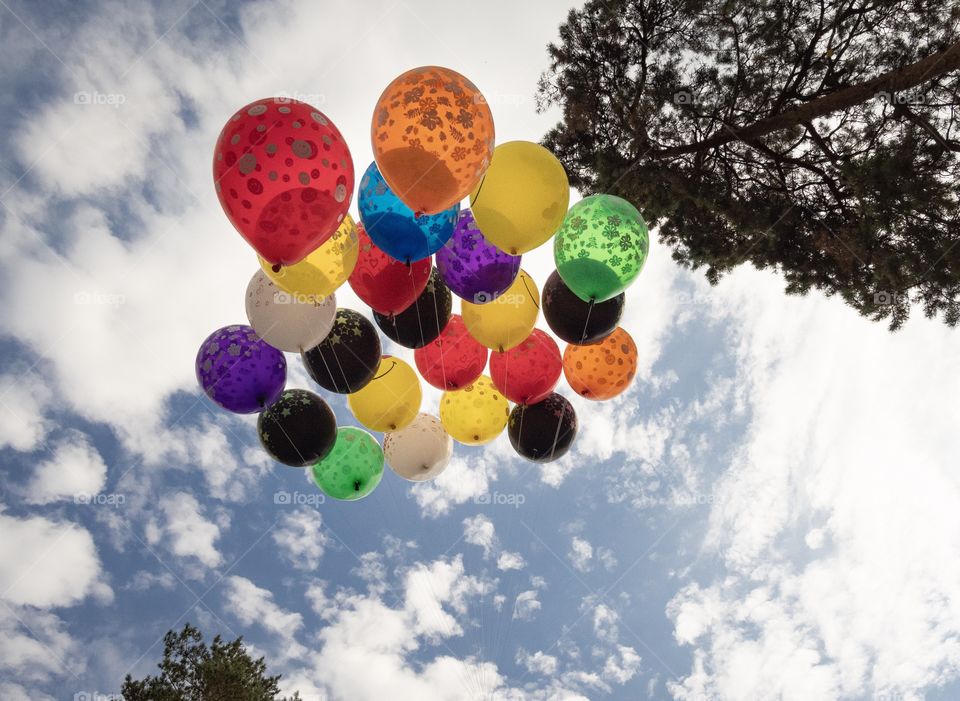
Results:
284 320
420 451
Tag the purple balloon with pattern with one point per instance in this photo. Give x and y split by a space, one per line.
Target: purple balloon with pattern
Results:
473 268
239 371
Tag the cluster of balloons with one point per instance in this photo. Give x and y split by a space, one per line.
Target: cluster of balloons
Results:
285 179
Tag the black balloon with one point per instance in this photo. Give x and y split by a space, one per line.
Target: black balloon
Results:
544 431
572 319
424 320
348 357
299 429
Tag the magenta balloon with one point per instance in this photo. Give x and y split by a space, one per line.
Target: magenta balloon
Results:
240 371
473 268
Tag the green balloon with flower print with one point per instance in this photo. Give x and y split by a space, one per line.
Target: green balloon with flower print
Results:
601 247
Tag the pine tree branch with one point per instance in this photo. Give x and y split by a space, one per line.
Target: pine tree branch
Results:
948 144
891 82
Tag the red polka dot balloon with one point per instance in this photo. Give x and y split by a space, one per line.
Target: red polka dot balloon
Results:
454 359
284 176
527 373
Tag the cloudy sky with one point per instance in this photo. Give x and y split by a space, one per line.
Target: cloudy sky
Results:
770 512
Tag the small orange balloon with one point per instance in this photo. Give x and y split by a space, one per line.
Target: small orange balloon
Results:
601 370
432 135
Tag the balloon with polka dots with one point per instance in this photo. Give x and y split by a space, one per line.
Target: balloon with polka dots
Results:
284 176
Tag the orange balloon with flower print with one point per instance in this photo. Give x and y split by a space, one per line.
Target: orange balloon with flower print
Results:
433 137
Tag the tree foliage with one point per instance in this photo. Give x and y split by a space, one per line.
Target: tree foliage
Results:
192 671
815 138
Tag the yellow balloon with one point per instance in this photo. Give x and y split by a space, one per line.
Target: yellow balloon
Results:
523 197
323 270
508 320
391 399
475 414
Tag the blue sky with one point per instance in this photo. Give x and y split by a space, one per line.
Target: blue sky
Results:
770 512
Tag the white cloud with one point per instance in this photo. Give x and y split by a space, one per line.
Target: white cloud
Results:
605 622
142 580
229 476
16 692
48 563
479 530
463 480
606 558
510 561
581 553
368 649
622 666
24 398
428 588
538 662
365 649
301 539
185 530
526 605
75 469
373 571
253 605
845 476
35 647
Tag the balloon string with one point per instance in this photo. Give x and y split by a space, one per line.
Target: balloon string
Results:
436 312
476 197
520 430
289 439
532 296
586 322
443 365
416 303
326 366
393 320
556 435
387 372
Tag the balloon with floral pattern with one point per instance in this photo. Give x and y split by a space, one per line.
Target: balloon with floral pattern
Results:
601 247
473 268
432 136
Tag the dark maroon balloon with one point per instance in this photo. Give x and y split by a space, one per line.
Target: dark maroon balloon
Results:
575 321
473 268
544 431
239 371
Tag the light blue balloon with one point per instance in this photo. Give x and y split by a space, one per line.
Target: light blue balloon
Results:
392 224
